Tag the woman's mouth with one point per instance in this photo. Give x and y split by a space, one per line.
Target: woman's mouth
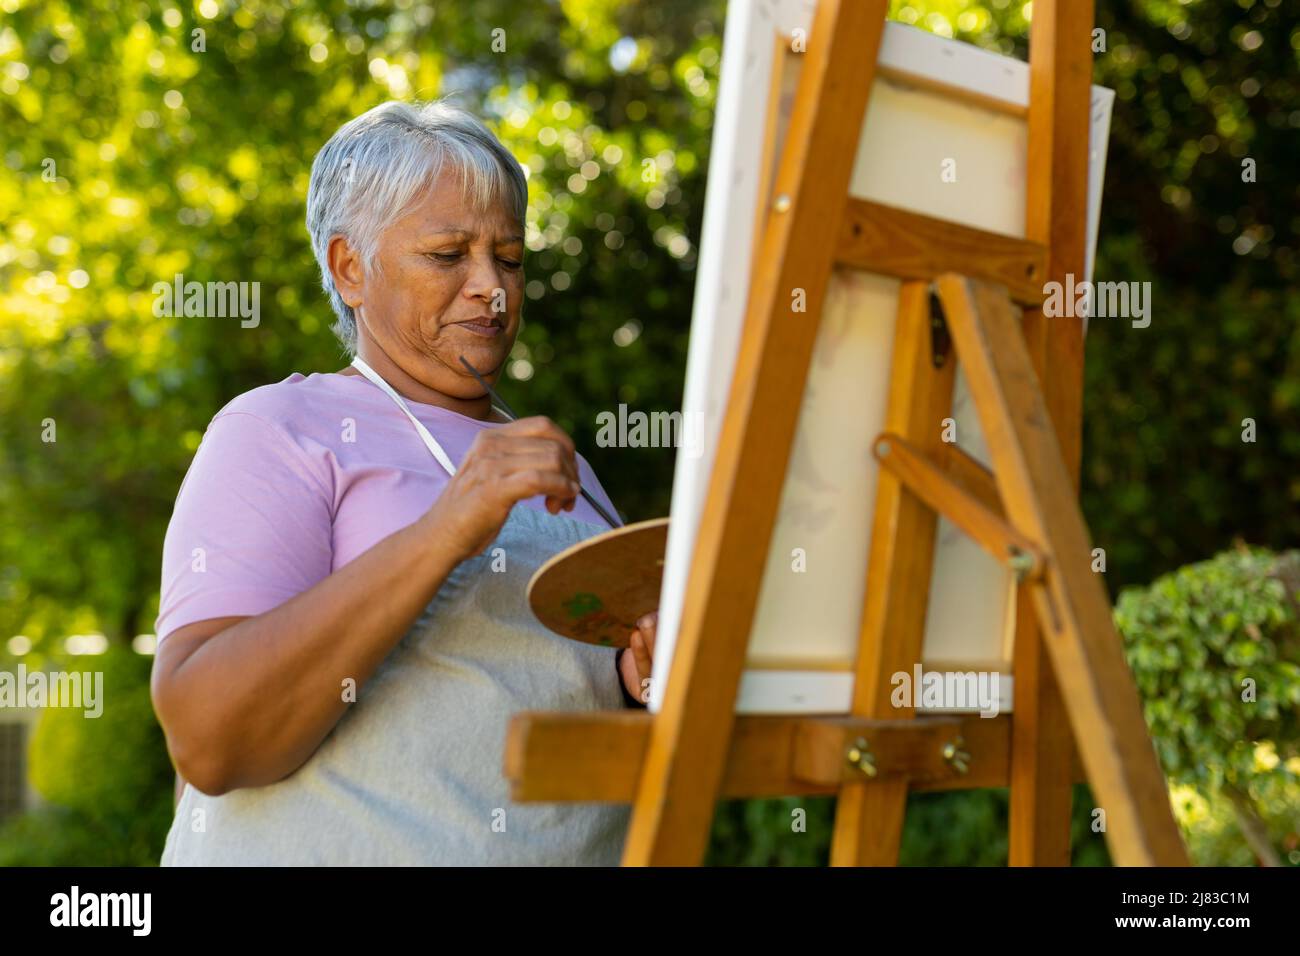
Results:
485 327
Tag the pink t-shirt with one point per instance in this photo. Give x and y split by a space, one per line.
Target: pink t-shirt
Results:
294 480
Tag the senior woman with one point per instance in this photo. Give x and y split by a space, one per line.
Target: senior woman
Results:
343 631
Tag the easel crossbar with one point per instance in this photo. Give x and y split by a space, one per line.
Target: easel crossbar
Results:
947 497
907 245
598 756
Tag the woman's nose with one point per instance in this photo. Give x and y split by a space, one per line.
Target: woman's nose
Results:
484 277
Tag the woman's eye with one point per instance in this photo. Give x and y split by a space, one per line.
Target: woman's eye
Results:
450 257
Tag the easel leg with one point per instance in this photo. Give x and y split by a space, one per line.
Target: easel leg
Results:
869 816
1042 749
1073 609
690 737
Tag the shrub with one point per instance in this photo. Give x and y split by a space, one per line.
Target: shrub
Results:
1215 650
107 780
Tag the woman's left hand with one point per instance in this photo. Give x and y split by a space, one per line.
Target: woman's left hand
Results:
635 663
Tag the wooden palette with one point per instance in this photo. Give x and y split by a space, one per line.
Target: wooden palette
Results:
595 591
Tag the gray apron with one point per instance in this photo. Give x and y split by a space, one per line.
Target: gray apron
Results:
412 773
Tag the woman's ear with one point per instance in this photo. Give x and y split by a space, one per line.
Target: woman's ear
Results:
347 269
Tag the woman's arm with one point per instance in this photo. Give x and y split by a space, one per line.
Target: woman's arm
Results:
245 701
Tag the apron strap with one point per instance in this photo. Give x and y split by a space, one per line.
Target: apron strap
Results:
429 441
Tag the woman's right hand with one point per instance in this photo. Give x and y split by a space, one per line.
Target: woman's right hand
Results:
527 457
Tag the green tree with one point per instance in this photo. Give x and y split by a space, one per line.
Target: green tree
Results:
132 155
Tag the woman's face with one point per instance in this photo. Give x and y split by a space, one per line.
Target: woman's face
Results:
449 283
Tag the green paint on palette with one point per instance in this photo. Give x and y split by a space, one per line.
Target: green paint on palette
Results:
582 604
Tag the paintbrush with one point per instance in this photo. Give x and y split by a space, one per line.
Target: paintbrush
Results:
512 416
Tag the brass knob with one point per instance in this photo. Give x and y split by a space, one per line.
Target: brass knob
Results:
956 755
861 758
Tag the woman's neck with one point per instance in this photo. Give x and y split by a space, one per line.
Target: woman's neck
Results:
416 391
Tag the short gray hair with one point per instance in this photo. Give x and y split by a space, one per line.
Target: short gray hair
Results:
370 172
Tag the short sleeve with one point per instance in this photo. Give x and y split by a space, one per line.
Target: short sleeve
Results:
252 526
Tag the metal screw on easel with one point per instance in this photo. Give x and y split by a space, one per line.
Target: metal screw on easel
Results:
956 754
860 756
781 203
1020 563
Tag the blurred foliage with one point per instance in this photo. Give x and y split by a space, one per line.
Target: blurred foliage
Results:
168 161
106 780
1215 651
129 156
1212 827
1200 87
957 828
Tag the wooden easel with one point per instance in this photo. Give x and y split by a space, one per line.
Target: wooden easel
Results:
1025 377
